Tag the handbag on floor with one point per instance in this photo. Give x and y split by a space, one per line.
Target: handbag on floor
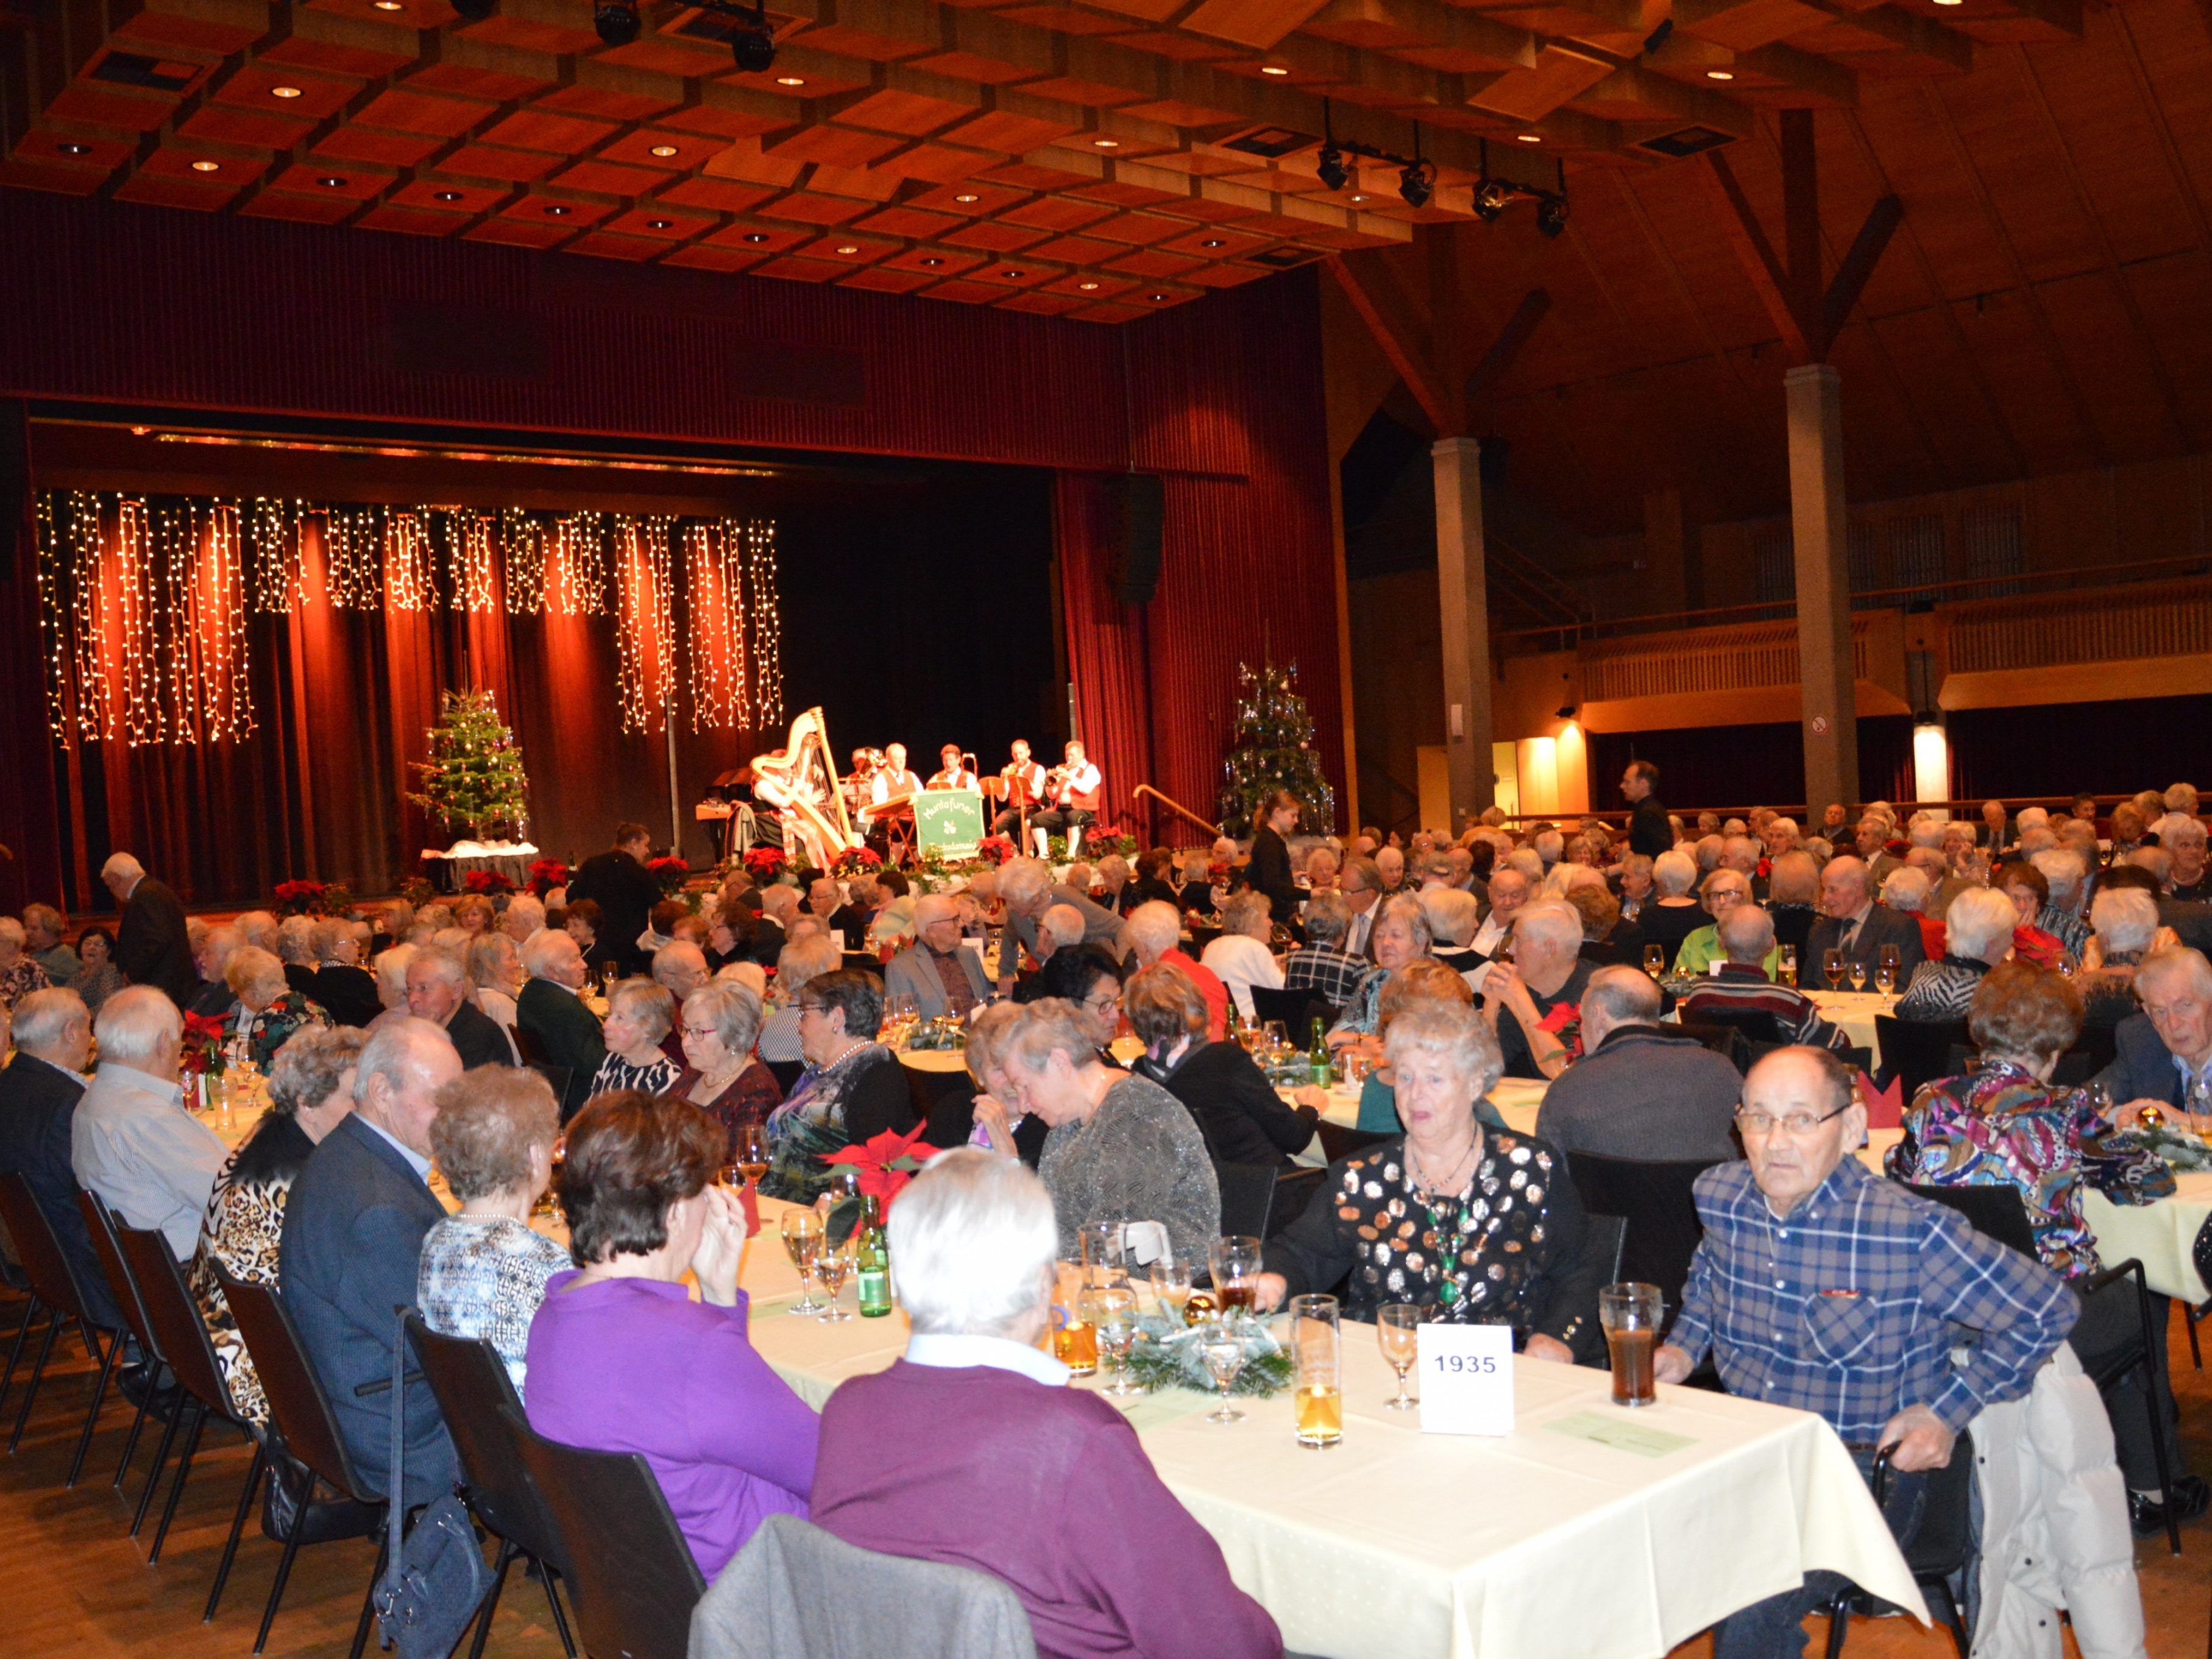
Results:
435 1576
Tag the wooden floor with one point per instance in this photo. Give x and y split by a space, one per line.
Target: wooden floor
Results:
73 1586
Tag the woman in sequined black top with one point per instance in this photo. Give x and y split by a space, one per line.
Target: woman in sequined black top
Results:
1474 1225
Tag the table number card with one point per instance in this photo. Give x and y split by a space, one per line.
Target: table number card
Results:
1467 1378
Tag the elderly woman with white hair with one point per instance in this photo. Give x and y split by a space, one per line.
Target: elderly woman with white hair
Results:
495 970
310 1090
1534 1002
796 964
20 974
296 949
1241 957
2127 929
2184 842
1154 932
391 970
1673 912
853 1090
1125 1569
641 1017
1400 935
721 1023
1978 932
344 985
1472 1225
1119 1147
270 1010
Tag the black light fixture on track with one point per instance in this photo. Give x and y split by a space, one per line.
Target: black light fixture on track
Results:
617 22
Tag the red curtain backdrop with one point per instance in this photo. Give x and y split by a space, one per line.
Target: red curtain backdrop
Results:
142 305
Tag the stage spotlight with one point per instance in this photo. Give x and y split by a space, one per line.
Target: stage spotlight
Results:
474 11
1552 215
753 43
1491 198
1333 173
1417 183
617 21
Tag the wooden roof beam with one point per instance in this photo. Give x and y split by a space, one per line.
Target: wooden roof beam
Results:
1909 31
1401 332
1536 305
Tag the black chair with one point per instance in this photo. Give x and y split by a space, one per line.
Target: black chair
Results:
945 1101
1939 1551
633 1579
1294 1191
100 1224
1723 1040
1915 1051
477 1400
1297 1010
1752 1024
1655 1200
53 1292
785 1072
182 1335
313 1452
1248 1197
1337 1141
1998 1212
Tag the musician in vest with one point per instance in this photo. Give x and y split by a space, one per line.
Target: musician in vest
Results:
954 773
1025 791
1072 788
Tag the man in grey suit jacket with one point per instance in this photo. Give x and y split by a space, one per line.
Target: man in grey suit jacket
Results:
1853 922
352 1247
2165 1053
940 977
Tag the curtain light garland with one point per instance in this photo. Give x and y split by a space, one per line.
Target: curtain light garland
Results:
146 607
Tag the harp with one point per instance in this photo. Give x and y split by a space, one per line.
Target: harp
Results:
800 779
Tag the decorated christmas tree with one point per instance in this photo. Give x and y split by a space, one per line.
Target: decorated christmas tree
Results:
473 783
1273 750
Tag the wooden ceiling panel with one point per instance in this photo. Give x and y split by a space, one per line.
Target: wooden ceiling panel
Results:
994 238
715 195
1060 213
389 150
849 248
396 110
973 198
937 259
354 186
323 209
352 58
442 195
606 179
624 104
477 81
276 89
605 245
910 114
935 164
225 125
516 233
700 257
812 207
165 29
557 134
884 279
837 147
569 213
910 223
505 28
791 269
411 221
519 167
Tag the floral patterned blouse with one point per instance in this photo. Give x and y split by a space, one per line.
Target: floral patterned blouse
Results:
1506 1248
1998 1127
20 979
272 1028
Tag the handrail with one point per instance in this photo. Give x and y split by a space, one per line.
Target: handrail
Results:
1177 807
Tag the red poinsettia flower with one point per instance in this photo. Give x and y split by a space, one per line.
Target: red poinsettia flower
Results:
886 1162
765 862
204 1036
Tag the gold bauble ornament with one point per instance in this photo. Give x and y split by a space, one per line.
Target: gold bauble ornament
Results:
1199 1310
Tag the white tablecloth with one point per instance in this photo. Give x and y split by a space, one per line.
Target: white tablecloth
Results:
1397 1545
1854 1010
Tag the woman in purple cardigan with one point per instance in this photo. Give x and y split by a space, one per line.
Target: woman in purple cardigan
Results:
1045 1486
622 1359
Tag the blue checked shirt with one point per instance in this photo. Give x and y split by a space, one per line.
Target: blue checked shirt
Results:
1847 1305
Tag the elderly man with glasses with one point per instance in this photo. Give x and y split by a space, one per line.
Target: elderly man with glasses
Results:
940 977
1821 1286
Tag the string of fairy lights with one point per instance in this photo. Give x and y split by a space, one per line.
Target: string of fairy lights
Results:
146 603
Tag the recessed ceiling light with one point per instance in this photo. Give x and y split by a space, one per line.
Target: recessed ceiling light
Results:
331 182
1013 273
932 262
791 80
1156 297
756 236
1359 199
1106 143
389 5
283 92
848 248
967 198
73 149
660 224
1086 287
1949 2
1212 241
663 151
449 195
1530 138
1720 74
1272 69
556 210
207 167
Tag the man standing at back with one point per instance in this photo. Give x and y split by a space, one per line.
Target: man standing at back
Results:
151 947
353 1245
1649 831
618 881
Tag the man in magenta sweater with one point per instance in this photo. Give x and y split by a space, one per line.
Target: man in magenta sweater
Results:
1042 1485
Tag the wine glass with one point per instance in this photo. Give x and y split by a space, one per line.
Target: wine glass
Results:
751 1153
1858 973
1397 1325
1786 966
1654 960
1171 1284
831 1263
802 1237
1831 967
1886 963
1221 1348
1112 1312
1278 1036
1234 1262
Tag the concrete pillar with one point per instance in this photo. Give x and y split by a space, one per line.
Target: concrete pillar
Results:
1821 533
1461 582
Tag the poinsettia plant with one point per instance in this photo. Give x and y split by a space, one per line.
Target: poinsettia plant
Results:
670 871
486 882
764 863
858 861
204 1036
546 874
995 849
885 1163
300 898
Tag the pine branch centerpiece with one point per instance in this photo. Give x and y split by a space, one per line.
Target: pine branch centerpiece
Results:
474 784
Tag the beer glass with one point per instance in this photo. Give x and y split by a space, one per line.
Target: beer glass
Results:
1887 963
1630 1315
1831 967
1397 1329
1316 1351
1236 1263
1654 960
1074 1338
802 1237
1786 968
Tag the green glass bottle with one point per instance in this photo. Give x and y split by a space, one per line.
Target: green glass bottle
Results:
1322 1068
871 1261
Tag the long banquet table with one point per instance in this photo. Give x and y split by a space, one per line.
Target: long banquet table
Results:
1396 1545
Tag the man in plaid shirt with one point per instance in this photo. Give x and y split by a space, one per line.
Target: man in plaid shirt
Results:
1821 1286
1323 966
